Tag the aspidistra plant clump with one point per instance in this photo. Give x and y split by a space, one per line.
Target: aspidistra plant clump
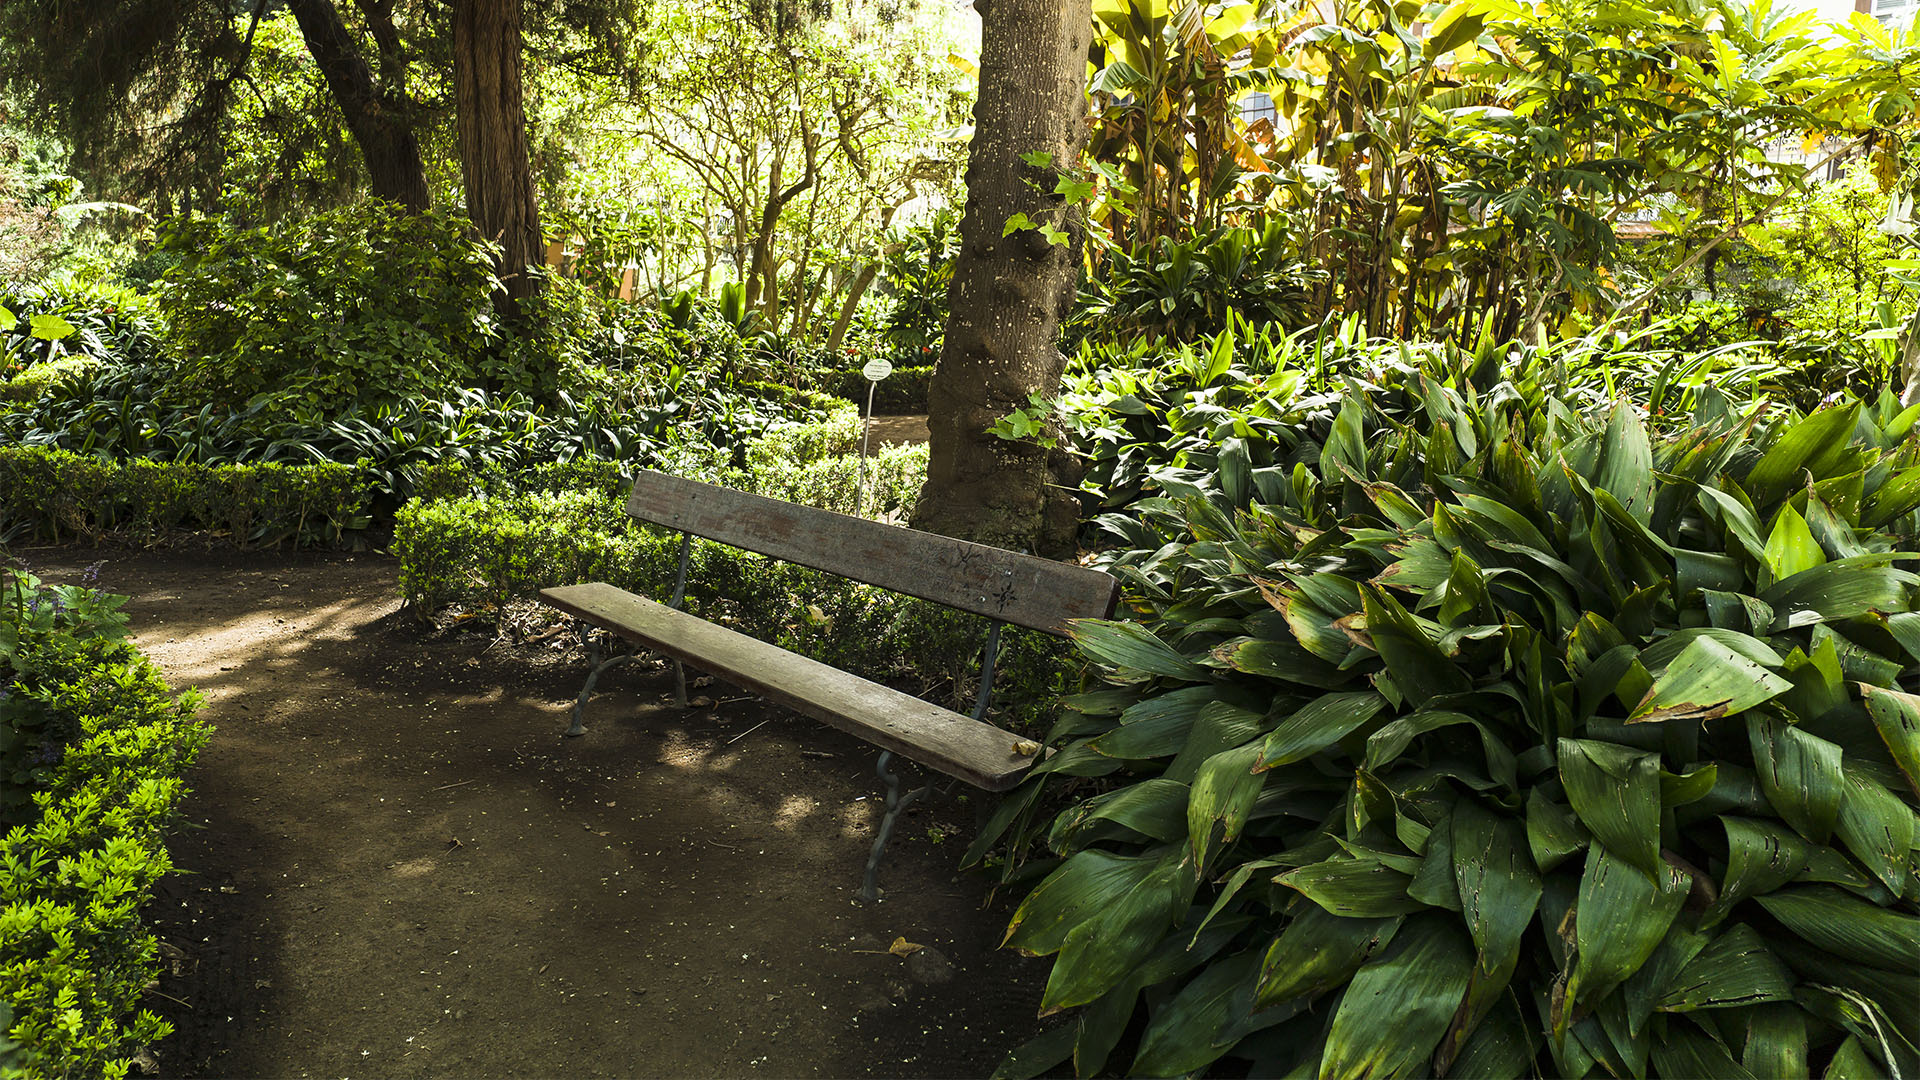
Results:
1500 741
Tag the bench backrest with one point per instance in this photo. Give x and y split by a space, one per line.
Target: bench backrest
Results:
1037 593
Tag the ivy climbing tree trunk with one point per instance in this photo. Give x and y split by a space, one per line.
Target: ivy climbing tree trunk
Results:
1010 292
377 111
494 162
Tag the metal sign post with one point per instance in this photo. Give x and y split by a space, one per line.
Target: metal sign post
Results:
875 370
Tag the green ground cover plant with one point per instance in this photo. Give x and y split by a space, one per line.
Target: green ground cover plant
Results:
1501 738
93 748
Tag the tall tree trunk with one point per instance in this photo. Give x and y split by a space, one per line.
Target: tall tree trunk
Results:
376 113
1010 292
494 163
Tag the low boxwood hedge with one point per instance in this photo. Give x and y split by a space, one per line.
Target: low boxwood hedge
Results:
57 495
93 746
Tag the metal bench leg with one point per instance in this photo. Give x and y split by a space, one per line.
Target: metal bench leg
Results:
595 667
896 802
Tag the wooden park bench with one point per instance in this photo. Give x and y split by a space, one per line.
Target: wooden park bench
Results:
1004 586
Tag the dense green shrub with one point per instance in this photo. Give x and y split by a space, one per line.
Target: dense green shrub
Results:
56 495
95 738
71 321
1499 741
1192 288
903 392
359 305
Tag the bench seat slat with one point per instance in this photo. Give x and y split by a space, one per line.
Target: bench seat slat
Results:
1038 593
940 739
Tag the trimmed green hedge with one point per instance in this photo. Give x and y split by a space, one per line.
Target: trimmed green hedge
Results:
56 495
904 391
92 731
493 546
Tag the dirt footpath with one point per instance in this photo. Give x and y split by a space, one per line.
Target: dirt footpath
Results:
396 866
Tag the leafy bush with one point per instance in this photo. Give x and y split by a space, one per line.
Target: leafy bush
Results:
1499 741
57 495
916 272
105 744
71 322
1193 288
366 304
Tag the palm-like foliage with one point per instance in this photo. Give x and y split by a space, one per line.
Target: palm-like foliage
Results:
1498 739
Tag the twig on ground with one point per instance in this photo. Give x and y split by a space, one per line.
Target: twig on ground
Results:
444 787
750 731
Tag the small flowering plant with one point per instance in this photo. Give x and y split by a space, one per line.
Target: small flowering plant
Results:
47 633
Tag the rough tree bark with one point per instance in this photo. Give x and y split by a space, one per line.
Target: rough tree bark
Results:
376 111
1009 293
494 162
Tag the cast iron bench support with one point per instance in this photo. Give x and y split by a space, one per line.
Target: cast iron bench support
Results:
1004 586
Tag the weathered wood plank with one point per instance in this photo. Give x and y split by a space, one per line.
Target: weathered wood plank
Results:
960 746
1020 589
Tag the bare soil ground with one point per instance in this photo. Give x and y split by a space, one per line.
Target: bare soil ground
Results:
396 866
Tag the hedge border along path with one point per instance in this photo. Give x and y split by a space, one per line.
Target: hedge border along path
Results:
75 954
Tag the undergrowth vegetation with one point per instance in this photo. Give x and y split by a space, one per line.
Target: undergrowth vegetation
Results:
93 747
1483 731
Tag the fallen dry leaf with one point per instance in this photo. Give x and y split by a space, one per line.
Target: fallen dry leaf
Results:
902 947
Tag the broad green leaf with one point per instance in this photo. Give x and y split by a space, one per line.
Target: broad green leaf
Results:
1399 1004
1155 808
1616 792
1157 727
1686 1052
1100 951
1205 1019
1456 26
1346 447
1417 665
1132 647
1791 547
1353 888
1734 969
1500 1048
1800 774
1841 923
1224 790
1282 659
1852 1062
1387 744
1037 1055
1621 918
1805 444
1761 857
1839 590
1877 828
1078 891
1317 952
49 327
1318 725
1499 891
1707 681
1776 1040
1897 717
1554 831
1625 468
1219 726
